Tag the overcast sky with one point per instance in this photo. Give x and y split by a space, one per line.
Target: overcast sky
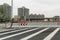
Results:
49 8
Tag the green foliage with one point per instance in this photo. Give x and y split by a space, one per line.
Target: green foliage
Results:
3 18
1 10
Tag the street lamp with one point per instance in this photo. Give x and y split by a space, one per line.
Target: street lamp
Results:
11 12
11 6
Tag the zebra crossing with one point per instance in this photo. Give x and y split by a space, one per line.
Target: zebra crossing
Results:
33 33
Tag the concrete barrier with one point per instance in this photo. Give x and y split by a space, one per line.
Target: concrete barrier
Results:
33 24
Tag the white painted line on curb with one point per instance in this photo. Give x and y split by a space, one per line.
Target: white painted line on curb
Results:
32 35
49 37
13 31
18 34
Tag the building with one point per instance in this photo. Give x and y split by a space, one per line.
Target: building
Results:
16 18
36 17
56 18
23 12
5 10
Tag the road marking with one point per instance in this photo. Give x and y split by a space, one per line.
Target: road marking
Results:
18 34
13 31
49 37
32 35
7 30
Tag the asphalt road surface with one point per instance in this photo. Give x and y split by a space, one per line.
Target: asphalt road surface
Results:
33 33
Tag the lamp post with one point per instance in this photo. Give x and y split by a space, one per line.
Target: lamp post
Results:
11 12
11 6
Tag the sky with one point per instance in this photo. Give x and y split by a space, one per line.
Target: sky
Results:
49 8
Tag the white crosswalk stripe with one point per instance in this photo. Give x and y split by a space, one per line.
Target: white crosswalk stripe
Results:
49 37
13 31
32 35
26 38
18 34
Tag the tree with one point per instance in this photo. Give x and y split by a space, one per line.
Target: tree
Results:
2 12
2 15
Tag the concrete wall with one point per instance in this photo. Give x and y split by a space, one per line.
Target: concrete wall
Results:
44 24
34 24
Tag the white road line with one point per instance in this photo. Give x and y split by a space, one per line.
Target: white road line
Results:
32 35
13 31
7 30
18 34
49 37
